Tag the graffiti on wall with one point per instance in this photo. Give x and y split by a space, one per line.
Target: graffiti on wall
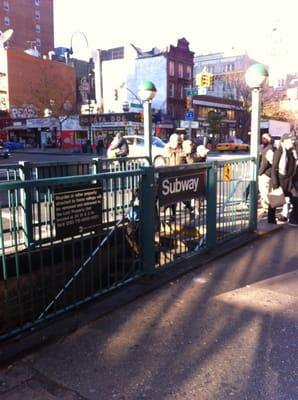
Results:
24 111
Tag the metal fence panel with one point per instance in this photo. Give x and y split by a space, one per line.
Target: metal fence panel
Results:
43 274
48 268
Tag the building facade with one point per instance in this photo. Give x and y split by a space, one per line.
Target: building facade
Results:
228 71
123 69
218 118
32 23
33 87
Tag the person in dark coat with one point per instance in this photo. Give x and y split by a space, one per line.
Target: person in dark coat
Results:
293 218
265 171
284 169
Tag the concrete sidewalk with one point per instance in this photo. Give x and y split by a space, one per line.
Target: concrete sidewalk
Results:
228 329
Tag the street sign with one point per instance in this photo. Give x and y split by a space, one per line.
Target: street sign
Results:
227 173
202 91
189 116
192 92
136 105
189 124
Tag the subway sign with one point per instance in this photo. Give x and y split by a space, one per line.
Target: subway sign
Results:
180 185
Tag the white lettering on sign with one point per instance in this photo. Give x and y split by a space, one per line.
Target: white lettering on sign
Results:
178 186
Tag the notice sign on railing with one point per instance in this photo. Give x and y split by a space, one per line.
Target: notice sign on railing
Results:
180 185
78 209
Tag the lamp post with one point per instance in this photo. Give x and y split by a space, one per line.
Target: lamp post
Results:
255 77
147 92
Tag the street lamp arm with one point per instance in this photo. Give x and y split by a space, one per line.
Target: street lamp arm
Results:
139 100
75 33
130 91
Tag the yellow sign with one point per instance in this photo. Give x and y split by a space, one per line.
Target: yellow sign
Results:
227 172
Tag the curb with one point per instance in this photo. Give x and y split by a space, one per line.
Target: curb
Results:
32 341
54 153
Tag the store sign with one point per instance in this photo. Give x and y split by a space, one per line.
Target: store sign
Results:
180 185
77 209
114 118
187 124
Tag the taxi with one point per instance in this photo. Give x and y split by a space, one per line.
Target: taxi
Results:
233 144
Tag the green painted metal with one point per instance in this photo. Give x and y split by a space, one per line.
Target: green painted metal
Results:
26 202
42 277
148 218
211 205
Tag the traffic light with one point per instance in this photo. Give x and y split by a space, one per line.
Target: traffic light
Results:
142 116
115 94
210 79
187 102
199 80
205 80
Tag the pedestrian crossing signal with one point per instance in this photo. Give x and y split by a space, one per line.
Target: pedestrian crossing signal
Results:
188 102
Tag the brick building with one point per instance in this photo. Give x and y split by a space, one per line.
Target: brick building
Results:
33 80
32 22
29 85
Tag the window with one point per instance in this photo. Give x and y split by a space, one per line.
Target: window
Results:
37 3
188 72
171 89
171 110
5 6
180 70
181 92
7 21
38 42
172 68
37 14
37 28
230 114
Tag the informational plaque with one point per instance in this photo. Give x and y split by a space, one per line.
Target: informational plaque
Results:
78 209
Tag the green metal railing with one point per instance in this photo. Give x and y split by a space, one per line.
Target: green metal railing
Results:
44 273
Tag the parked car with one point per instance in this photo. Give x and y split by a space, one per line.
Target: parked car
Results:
4 153
137 149
14 145
232 144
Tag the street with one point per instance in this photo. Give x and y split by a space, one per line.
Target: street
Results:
50 156
15 157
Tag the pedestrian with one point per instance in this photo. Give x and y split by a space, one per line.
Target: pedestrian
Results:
284 169
174 151
202 153
119 146
174 155
265 171
99 147
293 218
189 150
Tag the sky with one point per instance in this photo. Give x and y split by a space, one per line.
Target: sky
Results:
266 29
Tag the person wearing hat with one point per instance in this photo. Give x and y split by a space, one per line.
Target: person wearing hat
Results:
284 169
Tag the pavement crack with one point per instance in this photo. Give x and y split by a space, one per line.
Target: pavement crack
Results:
54 388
